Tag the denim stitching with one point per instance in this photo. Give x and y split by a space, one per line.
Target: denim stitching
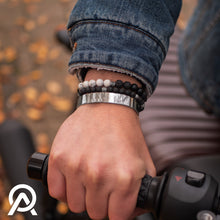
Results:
120 24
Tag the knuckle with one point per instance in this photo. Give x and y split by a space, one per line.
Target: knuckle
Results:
95 173
125 178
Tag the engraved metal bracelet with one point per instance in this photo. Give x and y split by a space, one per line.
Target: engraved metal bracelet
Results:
108 97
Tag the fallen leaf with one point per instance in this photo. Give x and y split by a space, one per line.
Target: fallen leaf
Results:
34 114
14 99
1 56
20 21
30 95
35 74
62 208
42 19
29 25
10 54
61 104
54 54
64 1
6 70
42 139
53 87
2 116
42 100
6 206
72 82
23 81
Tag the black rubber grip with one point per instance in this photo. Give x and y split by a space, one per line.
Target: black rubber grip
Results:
37 169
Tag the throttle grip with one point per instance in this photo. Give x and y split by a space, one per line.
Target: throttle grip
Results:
37 169
188 191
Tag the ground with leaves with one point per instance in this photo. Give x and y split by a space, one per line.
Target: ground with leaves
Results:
35 86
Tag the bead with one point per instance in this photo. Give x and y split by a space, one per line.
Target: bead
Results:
118 83
92 83
133 94
110 89
86 84
82 91
99 82
107 83
80 86
104 89
134 87
87 90
144 96
122 90
140 92
128 92
115 89
92 89
98 89
127 85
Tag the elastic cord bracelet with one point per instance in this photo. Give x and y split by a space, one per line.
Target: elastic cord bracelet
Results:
108 97
126 88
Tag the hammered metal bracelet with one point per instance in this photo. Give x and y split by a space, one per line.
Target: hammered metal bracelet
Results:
109 97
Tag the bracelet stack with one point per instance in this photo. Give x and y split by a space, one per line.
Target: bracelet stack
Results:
118 92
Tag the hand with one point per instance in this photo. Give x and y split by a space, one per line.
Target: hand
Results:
97 161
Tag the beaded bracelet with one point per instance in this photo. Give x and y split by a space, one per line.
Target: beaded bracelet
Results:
120 87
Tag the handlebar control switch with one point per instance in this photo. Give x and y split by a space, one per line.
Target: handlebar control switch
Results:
195 178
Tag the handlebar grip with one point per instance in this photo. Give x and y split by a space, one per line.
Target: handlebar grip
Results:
37 169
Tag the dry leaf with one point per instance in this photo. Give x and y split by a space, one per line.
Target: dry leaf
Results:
54 54
42 139
20 21
42 19
42 100
29 25
2 116
6 70
72 82
10 54
6 205
61 104
30 94
1 56
35 74
53 87
62 208
34 114
45 149
23 81
15 98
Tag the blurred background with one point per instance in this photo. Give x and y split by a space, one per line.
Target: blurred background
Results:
35 86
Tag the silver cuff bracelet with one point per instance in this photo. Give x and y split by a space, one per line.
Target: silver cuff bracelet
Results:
108 97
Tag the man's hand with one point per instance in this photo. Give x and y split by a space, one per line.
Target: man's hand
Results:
97 161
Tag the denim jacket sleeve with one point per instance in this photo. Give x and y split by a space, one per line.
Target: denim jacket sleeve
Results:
126 36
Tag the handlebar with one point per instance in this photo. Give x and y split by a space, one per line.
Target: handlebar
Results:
180 194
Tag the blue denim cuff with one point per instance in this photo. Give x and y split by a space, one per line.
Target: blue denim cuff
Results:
132 41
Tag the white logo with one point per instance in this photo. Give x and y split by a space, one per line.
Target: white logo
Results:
22 196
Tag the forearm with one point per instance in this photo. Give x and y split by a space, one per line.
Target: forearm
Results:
129 37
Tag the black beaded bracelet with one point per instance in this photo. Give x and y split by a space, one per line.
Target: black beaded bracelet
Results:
126 88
